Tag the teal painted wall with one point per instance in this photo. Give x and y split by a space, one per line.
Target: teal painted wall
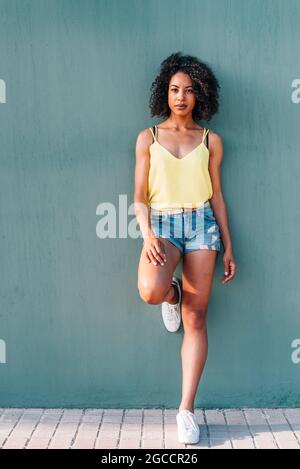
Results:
75 77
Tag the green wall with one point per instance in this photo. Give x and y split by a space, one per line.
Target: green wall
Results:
74 331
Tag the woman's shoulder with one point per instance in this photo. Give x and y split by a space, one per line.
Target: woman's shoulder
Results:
145 134
215 143
212 132
144 138
214 136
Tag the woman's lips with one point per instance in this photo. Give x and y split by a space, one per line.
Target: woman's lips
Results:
181 106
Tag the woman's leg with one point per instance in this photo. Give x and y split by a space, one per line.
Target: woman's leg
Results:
197 279
154 281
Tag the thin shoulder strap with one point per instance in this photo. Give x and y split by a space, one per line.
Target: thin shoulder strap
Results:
153 131
205 132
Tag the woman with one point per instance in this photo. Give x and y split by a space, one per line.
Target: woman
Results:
180 209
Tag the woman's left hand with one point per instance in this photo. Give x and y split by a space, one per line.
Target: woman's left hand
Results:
229 266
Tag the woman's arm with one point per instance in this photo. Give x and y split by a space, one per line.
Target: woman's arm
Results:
142 166
154 248
218 203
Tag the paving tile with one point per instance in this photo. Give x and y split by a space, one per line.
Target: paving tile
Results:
220 444
155 443
108 443
240 442
247 428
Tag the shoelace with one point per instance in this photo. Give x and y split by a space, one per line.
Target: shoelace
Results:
188 422
171 310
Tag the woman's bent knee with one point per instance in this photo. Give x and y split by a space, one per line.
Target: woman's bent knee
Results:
152 294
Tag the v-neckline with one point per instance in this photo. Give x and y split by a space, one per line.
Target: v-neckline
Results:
185 156
175 157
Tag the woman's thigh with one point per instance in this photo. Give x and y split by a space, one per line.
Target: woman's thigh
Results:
197 279
154 280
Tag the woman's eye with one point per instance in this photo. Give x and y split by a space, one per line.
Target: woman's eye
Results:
189 91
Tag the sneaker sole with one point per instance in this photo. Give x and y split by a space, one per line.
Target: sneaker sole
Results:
190 442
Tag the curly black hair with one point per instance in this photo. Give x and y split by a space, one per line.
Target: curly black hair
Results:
204 83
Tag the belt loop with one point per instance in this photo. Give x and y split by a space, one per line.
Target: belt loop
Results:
194 220
159 225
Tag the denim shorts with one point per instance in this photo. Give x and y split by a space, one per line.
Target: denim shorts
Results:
188 230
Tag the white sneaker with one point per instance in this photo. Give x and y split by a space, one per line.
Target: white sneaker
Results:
188 430
172 313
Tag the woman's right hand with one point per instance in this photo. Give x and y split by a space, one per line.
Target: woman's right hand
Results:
155 250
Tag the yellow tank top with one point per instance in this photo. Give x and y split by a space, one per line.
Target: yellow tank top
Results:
178 182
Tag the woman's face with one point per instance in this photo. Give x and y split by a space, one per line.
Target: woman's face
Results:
181 93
